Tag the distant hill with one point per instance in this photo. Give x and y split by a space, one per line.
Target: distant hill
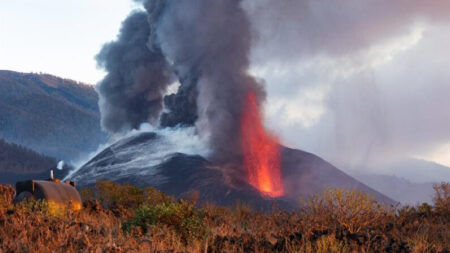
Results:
54 116
419 171
407 180
400 189
411 169
20 163
18 159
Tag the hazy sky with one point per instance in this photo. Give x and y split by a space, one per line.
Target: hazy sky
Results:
58 37
357 81
353 81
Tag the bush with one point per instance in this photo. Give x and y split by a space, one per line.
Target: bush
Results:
181 216
6 197
335 221
442 199
39 207
113 195
337 208
325 244
155 197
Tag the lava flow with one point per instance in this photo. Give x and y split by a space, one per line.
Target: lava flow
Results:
261 151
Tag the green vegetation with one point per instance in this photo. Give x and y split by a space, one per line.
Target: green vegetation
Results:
118 218
112 195
184 218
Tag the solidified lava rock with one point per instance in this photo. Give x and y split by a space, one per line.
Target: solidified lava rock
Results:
148 159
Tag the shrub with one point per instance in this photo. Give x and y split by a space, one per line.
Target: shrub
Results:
39 207
113 195
425 209
325 244
6 196
242 214
442 198
155 197
336 221
181 216
349 209
87 194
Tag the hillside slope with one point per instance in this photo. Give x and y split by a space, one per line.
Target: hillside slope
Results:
20 163
51 115
18 159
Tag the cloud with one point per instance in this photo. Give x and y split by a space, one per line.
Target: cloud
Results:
301 28
355 81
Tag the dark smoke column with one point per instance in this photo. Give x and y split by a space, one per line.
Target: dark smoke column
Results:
209 42
132 91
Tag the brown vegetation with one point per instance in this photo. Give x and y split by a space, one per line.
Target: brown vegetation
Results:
123 218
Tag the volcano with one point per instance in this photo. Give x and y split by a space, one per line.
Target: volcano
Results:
208 54
147 159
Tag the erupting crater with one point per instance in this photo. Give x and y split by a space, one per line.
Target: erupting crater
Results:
261 151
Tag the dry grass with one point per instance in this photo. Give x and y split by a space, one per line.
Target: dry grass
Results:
122 218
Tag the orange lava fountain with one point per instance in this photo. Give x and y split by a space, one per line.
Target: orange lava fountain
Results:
261 151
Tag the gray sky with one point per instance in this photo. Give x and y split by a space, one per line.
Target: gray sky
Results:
358 81
354 81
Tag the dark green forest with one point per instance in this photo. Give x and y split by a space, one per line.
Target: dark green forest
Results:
18 159
51 115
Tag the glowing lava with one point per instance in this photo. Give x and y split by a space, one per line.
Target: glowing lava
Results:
261 151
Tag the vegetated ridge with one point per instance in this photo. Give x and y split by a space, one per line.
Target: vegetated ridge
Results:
19 159
51 115
20 163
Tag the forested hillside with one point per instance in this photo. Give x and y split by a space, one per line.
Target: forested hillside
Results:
18 159
54 116
19 163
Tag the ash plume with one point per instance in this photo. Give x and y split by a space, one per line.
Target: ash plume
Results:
210 41
208 45
132 91
181 106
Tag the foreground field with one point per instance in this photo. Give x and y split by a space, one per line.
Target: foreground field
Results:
122 218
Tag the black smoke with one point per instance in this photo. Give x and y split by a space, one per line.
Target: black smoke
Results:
132 91
181 106
207 44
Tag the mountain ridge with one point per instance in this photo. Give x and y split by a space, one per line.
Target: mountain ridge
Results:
19 163
51 115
